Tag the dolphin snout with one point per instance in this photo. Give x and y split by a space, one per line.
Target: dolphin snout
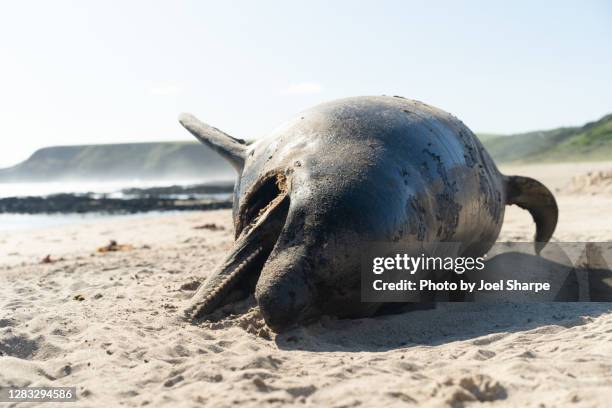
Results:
282 306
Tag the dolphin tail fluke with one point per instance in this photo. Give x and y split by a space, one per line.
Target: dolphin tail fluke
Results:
534 197
230 148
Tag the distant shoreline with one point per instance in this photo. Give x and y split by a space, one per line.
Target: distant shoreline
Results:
133 200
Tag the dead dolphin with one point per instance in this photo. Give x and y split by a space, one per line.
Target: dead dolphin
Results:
311 195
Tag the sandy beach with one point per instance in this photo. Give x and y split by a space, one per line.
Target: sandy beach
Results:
107 323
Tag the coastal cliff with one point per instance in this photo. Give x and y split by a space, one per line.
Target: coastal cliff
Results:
143 161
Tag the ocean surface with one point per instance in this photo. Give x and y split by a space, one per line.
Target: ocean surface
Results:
112 189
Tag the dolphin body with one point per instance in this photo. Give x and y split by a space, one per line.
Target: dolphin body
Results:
311 196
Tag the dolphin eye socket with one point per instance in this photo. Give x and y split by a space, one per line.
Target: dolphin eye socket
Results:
269 192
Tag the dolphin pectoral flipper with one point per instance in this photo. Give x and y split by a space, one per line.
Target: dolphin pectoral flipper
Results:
230 148
534 197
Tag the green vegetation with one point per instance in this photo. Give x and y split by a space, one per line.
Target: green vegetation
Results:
592 141
154 161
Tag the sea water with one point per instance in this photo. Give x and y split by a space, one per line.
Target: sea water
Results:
111 189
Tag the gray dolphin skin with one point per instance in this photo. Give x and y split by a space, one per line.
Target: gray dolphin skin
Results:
312 195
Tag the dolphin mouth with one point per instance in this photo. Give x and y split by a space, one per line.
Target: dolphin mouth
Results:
261 219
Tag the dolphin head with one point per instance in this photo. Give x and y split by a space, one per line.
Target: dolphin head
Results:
298 232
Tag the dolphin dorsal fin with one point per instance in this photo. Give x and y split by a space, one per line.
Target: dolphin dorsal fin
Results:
230 148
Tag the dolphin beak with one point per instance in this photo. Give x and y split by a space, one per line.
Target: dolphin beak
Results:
263 217
283 306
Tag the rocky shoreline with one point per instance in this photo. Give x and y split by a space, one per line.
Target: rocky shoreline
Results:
70 203
172 198
194 190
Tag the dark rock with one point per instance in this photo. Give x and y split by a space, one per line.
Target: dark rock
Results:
76 203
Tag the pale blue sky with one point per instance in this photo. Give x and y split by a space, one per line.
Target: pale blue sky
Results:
78 72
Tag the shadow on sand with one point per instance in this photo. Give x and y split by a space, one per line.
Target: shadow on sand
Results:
449 322
484 322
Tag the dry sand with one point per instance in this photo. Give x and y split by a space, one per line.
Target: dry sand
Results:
106 323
